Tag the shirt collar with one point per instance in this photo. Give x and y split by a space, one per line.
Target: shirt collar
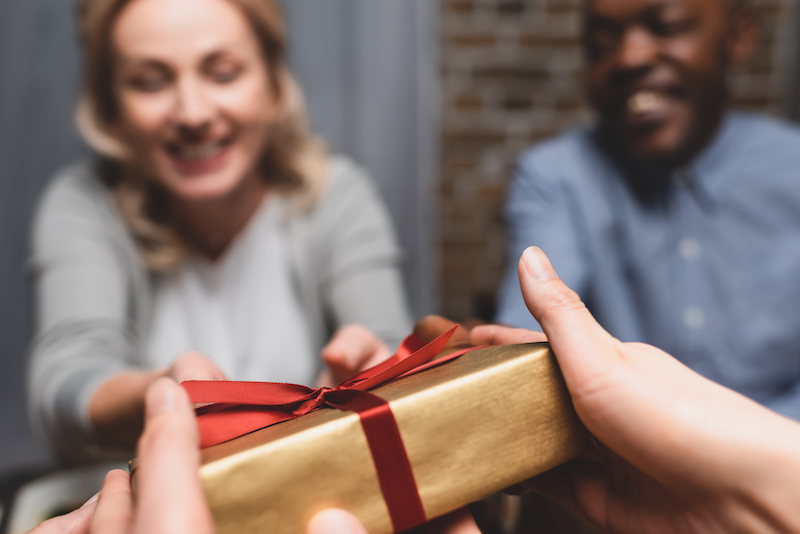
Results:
706 174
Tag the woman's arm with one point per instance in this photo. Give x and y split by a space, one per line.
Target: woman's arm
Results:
117 408
86 378
86 374
360 279
87 327
361 274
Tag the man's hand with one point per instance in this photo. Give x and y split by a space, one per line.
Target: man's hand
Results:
352 349
679 453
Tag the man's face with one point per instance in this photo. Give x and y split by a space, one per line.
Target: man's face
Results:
657 73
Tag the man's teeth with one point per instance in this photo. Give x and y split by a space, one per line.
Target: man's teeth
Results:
195 152
645 101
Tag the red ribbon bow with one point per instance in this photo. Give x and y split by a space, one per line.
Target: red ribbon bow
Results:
238 408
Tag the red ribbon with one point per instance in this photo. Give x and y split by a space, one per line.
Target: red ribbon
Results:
238 408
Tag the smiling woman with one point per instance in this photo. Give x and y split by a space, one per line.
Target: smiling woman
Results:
214 237
198 102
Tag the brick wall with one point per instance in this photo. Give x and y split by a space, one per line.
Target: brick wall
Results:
511 76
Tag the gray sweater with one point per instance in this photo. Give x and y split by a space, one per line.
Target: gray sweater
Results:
95 297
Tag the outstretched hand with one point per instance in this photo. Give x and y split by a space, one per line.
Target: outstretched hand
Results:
679 453
170 497
117 408
193 365
352 349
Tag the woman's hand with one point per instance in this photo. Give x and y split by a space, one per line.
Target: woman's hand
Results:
170 497
193 365
117 409
679 453
352 349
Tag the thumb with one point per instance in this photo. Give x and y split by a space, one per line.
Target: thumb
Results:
170 494
334 521
578 341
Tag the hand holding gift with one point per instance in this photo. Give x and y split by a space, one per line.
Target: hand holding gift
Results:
679 453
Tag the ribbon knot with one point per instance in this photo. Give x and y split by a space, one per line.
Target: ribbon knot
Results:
237 408
322 394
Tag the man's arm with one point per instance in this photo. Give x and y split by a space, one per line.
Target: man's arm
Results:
540 211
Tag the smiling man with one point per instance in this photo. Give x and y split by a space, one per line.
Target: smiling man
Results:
675 217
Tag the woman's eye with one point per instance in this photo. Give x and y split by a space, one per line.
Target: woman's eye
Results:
149 83
224 73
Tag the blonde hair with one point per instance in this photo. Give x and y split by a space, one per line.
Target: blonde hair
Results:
293 161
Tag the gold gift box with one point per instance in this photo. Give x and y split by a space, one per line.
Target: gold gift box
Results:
485 421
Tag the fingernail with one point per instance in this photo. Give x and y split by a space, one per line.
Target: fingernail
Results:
334 521
160 397
537 264
92 499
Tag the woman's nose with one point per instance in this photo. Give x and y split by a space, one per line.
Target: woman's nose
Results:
193 108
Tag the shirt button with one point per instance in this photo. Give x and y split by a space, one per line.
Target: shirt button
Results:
690 248
694 318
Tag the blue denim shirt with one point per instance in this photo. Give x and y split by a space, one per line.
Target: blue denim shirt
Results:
702 262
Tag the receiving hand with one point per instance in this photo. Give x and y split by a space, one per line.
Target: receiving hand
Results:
117 408
352 349
679 453
170 497
193 365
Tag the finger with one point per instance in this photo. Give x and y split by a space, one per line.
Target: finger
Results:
170 496
76 522
114 511
335 521
502 335
351 347
432 326
379 356
458 522
194 365
580 344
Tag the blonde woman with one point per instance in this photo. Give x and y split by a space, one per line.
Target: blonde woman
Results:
213 237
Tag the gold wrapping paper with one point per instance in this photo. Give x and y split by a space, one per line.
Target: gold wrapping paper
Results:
490 419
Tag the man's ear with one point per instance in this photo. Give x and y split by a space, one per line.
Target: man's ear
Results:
743 35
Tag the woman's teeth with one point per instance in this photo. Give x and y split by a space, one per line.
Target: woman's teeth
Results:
196 152
646 101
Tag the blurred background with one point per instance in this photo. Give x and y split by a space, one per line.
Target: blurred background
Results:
435 98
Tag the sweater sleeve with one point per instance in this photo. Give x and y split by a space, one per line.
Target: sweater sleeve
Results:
85 329
360 272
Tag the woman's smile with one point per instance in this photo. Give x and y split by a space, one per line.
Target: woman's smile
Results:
200 158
